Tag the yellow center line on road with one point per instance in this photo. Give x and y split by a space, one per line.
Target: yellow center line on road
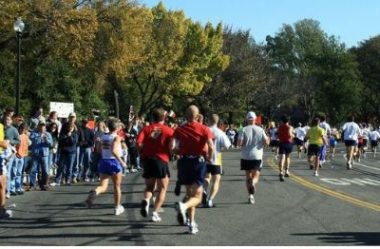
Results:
330 192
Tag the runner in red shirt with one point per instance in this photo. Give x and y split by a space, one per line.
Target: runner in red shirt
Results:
285 136
153 141
191 139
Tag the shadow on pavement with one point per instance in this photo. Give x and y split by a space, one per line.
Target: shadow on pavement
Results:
357 238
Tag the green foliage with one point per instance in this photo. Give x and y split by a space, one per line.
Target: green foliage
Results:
317 72
180 58
82 51
367 55
232 92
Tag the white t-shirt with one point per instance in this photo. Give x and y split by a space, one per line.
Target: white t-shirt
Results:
351 131
365 133
231 133
273 134
300 133
253 138
220 141
324 125
374 135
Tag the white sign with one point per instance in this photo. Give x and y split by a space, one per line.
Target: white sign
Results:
354 181
63 109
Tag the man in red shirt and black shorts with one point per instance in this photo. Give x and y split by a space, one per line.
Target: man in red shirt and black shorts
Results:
285 136
153 142
191 139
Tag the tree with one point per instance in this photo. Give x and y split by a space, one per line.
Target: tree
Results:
233 91
180 58
367 56
320 73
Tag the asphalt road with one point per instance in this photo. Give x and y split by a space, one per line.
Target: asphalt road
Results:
341 207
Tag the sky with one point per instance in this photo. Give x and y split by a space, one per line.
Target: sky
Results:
352 21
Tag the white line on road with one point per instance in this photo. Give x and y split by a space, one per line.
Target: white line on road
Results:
363 165
366 166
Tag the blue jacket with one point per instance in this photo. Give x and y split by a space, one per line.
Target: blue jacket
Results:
41 144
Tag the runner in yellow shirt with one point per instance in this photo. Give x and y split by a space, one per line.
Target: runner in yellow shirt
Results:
316 137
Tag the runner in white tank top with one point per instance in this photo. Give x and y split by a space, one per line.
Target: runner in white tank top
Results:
110 166
106 142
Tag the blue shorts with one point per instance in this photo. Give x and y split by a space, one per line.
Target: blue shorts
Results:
285 148
191 170
109 167
332 142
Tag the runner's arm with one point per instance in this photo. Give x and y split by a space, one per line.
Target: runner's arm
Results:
4 144
266 139
116 143
291 132
210 149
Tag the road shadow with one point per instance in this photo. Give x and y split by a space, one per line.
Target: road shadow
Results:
341 238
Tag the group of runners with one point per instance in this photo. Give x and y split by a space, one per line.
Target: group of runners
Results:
319 142
198 150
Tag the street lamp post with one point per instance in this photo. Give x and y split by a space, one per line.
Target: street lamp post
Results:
18 27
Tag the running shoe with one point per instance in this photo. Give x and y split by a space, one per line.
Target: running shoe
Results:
316 174
287 174
181 212
20 192
144 208
282 179
8 195
90 199
193 228
187 223
156 217
210 204
251 199
119 210
6 214
349 166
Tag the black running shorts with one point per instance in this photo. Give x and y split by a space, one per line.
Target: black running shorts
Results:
155 168
251 164
285 148
314 150
374 143
298 141
214 169
273 143
350 143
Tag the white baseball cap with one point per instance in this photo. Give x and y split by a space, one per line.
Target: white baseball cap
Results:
251 116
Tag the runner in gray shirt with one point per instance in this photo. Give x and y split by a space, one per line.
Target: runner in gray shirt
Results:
252 140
